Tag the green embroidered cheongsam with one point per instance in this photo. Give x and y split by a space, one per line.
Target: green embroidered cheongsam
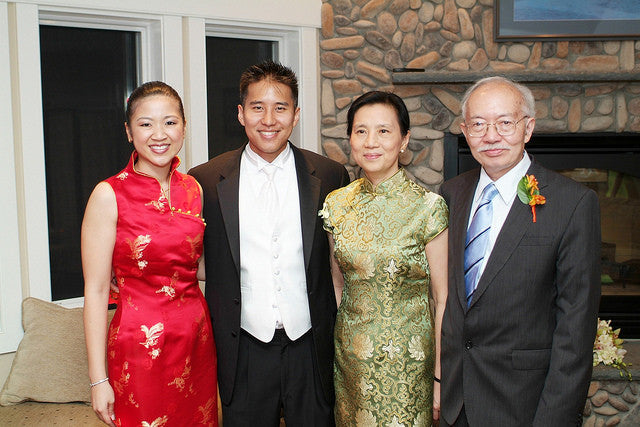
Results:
384 332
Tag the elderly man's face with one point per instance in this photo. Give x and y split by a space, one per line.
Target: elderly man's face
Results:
497 104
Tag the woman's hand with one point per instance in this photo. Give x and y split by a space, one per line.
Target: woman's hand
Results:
436 400
102 399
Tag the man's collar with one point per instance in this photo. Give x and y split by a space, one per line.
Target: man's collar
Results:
259 162
507 184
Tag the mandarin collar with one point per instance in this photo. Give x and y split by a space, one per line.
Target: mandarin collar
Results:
387 185
175 162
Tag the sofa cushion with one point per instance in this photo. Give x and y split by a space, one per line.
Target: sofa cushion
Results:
50 364
36 414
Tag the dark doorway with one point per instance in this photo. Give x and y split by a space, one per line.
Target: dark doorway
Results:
87 75
227 58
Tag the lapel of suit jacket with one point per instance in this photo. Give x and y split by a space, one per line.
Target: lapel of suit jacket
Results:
309 193
515 225
458 220
228 197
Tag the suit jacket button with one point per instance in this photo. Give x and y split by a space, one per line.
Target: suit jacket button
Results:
236 301
468 345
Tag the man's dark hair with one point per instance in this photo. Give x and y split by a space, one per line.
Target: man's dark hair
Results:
272 71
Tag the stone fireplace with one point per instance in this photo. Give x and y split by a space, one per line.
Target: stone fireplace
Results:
587 92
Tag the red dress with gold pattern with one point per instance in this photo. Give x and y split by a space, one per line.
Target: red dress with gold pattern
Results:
161 354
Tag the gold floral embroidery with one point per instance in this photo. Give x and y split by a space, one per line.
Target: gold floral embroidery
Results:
421 420
364 266
160 204
180 381
362 346
324 212
132 401
391 269
365 418
391 349
169 290
194 243
123 176
207 411
417 272
158 422
123 381
202 330
137 247
365 386
395 422
152 334
415 348
131 304
113 335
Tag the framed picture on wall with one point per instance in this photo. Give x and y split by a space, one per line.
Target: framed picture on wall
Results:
569 19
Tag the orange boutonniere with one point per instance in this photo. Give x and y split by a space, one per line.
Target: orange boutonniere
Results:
529 194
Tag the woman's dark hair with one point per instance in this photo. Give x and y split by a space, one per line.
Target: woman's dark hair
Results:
272 71
378 97
150 89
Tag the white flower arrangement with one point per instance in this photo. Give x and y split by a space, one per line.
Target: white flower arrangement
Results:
607 348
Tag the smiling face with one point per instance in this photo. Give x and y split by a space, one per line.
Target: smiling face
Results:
492 103
268 115
376 141
156 128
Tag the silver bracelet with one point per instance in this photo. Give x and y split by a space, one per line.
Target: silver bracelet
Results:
99 382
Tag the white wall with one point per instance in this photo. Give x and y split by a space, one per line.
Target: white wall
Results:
175 52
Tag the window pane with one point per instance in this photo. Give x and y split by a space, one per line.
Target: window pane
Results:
86 77
227 58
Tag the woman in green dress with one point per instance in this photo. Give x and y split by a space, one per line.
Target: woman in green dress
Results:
388 240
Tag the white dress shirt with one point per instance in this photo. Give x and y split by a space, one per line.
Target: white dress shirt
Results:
507 186
272 273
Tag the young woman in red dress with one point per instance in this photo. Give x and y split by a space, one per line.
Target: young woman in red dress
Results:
143 228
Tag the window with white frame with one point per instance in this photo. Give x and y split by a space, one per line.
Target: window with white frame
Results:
88 66
225 132
231 48
87 75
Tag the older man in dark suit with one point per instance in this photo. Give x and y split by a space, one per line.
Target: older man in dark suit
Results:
524 277
268 279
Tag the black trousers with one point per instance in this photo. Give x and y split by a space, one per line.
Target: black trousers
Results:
461 421
279 377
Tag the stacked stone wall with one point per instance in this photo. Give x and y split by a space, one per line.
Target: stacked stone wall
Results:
612 403
363 41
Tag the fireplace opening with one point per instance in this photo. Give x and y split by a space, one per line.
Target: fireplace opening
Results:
610 165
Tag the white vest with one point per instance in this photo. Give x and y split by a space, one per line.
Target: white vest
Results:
272 274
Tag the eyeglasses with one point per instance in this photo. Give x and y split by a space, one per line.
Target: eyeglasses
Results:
503 127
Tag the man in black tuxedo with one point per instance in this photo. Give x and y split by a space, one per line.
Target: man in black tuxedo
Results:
520 320
268 281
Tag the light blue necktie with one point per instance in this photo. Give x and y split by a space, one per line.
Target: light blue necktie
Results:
477 239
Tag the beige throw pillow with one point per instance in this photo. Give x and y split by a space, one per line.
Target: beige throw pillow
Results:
50 364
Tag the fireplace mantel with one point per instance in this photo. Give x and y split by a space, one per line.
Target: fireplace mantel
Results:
467 77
